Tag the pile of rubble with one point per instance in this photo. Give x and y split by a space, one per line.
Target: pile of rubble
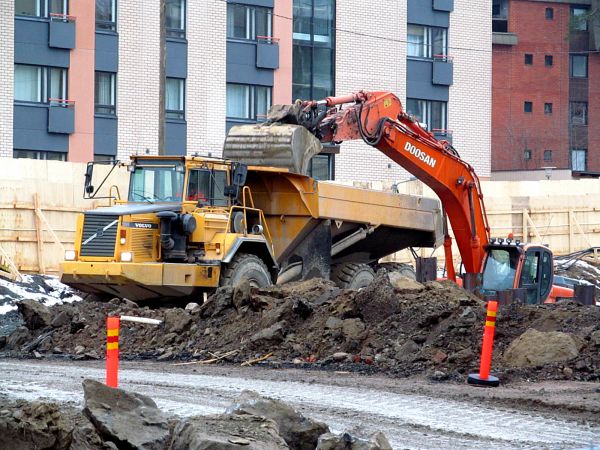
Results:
114 418
395 325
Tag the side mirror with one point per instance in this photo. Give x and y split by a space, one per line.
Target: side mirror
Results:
89 171
239 175
230 191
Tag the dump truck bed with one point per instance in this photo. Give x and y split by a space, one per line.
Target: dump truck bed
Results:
296 207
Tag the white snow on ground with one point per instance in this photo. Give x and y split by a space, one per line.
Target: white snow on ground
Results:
32 288
588 267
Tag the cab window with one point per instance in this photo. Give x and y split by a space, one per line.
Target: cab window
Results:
530 276
207 187
546 282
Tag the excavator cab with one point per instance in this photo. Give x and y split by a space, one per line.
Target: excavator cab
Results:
511 265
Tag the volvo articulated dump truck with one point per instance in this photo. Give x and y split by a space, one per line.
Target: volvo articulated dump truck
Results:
191 224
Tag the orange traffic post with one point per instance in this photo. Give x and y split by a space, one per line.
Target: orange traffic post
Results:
483 378
112 351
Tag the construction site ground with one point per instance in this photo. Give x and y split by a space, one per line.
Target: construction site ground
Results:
393 357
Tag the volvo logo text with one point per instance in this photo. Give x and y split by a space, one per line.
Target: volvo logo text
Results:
420 154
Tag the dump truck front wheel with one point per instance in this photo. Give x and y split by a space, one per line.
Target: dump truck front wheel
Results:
245 266
352 276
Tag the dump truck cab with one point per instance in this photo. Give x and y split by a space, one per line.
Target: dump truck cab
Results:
186 224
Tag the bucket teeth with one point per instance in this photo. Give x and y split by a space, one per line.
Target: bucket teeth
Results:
275 145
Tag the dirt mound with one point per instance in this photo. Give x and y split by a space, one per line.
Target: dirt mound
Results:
394 326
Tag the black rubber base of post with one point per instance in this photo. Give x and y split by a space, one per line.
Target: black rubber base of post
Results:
475 380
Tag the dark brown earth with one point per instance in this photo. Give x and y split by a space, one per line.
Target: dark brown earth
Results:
400 327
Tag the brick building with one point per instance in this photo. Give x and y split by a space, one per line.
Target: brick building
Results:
82 79
545 89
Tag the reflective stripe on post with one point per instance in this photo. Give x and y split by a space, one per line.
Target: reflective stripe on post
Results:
112 351
484 378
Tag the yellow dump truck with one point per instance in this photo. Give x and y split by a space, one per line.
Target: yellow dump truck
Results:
191 224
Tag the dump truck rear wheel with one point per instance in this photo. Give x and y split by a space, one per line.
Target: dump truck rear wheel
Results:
405 270
246 267
352 276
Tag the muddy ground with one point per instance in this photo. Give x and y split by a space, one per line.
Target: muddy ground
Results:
395 326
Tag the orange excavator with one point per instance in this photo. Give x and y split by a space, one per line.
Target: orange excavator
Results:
491 265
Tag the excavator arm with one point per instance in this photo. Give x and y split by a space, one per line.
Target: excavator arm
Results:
379 119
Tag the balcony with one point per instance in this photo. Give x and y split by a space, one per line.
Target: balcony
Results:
443 70
267 52
62 31
504 38
61 116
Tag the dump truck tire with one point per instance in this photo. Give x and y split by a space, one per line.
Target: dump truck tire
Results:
243 267
352 276
405 270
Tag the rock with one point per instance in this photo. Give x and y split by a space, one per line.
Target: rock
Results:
220 432
407 351
302 308
333 323
3 341
353 328
299 432
537 348
34 314
242 293
34 426
403 284
438 375
77 323
218 302
207 331
297 361
130 420
568 371
18 338
165 356
439 357
463 355
346 441
177 320
37 355
340 356
595 338
92 354
61 319
273 334
192 308
79 349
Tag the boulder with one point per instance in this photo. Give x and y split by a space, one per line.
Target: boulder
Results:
333 323
177 320
404 284
18 338
353 328
61 319
537 348
130 420
34 314
226 432
273 334
299 432
346 441
32 426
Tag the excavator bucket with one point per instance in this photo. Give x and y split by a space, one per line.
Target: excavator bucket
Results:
272 144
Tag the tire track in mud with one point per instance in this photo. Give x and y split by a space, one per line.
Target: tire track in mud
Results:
408 420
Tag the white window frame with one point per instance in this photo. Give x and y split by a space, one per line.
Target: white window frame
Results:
113 96
44 87
427 107
251 100
180 112
183 29
576 154
427 46
250 18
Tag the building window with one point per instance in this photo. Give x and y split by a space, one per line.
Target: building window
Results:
105 93
175 98
313 51
247 102
106 15
41 8
547 108
430 113
548 60
528 107
528 59
175 18
39 84
578 160
427 42
578 113
500 16
527 154
579 18
579 66
549 13
33 154
248 22
547 155
321 167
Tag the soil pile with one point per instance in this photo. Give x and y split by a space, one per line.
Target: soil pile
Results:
394 325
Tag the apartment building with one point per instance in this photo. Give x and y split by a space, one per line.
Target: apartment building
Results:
546 89
82 80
